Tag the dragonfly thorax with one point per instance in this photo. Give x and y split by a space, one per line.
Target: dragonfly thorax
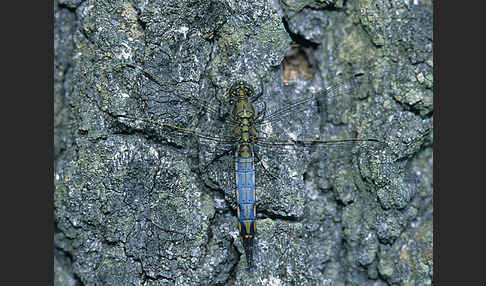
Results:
245 133
244 116
243 109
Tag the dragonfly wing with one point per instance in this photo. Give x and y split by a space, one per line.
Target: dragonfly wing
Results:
174 130
178 92
289 135
346 85
269 141
177 109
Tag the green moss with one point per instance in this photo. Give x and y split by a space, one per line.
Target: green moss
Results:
207 209
273 36
266 227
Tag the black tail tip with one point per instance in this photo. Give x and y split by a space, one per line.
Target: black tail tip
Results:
249 261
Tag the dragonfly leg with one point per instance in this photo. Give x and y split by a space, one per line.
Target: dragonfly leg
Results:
256 97
261 114
224 153
259 161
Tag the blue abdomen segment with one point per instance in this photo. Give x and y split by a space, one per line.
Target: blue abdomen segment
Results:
246 208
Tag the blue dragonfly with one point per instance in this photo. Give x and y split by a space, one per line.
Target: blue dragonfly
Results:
243 134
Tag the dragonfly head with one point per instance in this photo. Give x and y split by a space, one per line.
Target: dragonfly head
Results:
241 90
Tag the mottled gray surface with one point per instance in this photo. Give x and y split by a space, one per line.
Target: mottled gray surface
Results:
137 205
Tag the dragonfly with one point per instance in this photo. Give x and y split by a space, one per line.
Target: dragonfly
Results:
243 135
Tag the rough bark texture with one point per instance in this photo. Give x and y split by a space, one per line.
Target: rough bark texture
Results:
137 205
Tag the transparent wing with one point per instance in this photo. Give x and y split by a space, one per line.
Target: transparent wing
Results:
209 107
180 101
177 130
291 110
344 86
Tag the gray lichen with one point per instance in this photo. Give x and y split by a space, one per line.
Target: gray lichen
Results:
136 204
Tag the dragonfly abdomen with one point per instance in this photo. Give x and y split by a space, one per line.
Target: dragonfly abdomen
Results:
246 203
